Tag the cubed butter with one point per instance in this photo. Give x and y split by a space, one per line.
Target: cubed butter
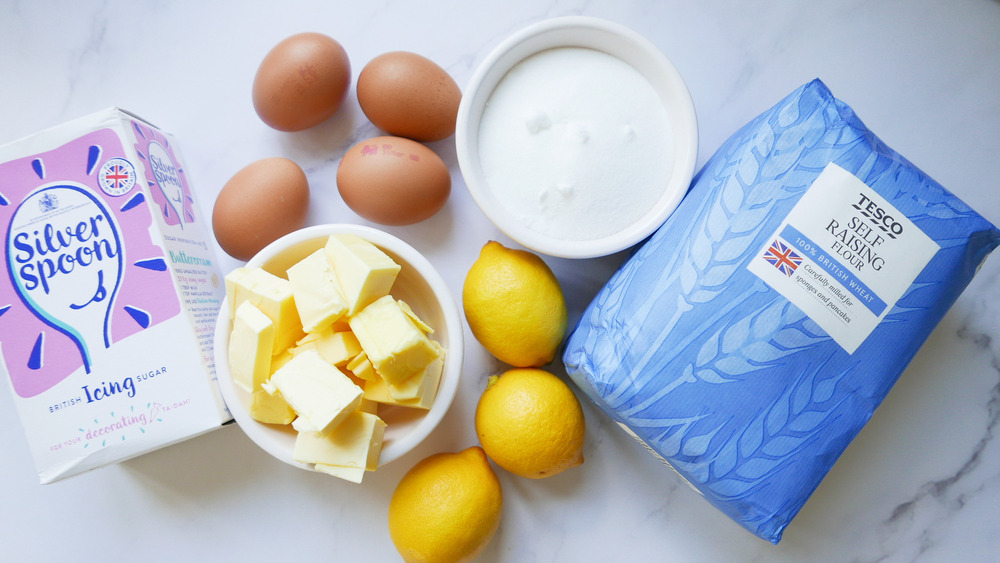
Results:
302 346
352 474
318 392
392 341
378 390
301 424
231 279
318 298
340 346
365 272
250 346
413 316
416 386
337 347
270 409
357 381
279 360
355 443
368 406
362 368
341 325
273 296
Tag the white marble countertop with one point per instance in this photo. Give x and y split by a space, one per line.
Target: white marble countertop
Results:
920 483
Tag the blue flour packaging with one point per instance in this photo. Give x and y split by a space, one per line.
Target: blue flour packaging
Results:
750 339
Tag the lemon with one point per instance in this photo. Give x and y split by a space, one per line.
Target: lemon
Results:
530 423
446 508
514 306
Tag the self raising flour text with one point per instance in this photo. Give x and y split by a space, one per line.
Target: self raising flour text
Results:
856 243
48 252
852 255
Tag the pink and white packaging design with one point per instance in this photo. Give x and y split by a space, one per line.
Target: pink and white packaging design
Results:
108 309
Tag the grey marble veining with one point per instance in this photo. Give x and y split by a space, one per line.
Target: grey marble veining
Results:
921 483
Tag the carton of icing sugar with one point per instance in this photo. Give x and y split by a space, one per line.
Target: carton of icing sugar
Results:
108 307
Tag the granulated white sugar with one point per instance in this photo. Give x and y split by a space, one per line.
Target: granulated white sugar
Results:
575 143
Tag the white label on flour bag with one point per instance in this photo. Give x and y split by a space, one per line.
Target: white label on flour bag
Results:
844 255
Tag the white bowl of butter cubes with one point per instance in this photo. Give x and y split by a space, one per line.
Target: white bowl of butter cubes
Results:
338 349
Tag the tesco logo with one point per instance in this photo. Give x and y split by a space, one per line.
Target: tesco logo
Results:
880 217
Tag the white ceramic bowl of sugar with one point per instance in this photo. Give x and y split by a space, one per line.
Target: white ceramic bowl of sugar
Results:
574 217
418 284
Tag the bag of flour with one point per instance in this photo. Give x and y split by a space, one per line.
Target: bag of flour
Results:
750 339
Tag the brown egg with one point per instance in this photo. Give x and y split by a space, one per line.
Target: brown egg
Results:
393 181
301 82
408 95
262 202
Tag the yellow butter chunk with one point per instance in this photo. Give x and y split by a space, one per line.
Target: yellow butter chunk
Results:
306 343
341 325
231 279
416 386
355 443
250 346
337 347
365 272
413 316
318 298
357 381
392 341
270 409
309 338
352 474
279 360
378 390
320 394
273 296
368 406
362 368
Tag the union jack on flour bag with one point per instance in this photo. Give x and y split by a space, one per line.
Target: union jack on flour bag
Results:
750 339
782 257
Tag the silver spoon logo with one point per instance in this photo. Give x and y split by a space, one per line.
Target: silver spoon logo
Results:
65 256
168 180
